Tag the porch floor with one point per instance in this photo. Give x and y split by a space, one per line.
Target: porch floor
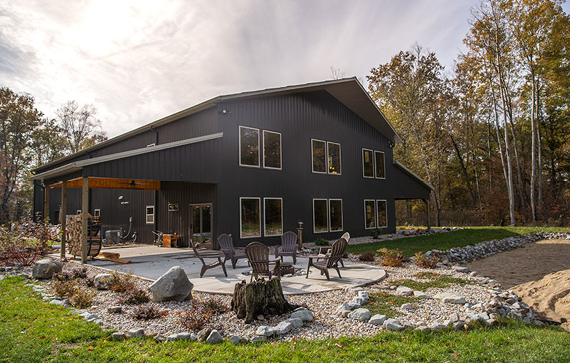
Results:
151 262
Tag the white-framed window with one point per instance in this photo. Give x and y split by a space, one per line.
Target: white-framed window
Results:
272 150
319 156
380 171
369 214
334 158
97 213
273 216
320 216
149 212
367 163
250 217
248 146
382 214
335 215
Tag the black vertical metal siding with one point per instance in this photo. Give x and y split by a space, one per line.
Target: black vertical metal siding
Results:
299 118
405 187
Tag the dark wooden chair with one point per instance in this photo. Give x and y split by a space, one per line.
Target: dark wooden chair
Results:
288 246
202 255
324 263
226 244
326 251
258 256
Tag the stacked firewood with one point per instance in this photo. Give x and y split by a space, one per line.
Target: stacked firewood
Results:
74 233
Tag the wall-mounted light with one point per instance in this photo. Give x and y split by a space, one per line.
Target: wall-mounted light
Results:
133 184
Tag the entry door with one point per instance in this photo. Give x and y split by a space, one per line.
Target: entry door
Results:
201 224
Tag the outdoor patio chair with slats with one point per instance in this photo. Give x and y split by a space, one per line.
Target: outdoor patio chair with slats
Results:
325 251
202 255
288 246
324 263
258 256
226 244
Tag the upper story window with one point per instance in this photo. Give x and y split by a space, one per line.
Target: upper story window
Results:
271 150
380 171
334 157
373 164
326 157
249 146
368 163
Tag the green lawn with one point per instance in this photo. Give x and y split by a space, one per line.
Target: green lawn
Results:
32 331
445 241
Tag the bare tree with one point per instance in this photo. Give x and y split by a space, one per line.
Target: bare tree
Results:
79 126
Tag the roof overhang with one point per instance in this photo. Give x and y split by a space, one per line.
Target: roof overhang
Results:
79 165
413 175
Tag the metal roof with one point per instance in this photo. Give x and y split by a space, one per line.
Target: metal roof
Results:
78 165
348 91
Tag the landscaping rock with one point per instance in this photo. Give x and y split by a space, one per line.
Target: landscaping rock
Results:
407 307
118 336
234 339
57 302
436 326
360 315
364 294
393 324
404 291
420 294
136 333
296 322
44 269
453 317
214 337
450 298
173 285
283 327
264 331
458 325
358 301
103 281
377 319
303 314
116 309
181 336
461 269
203 334
257 339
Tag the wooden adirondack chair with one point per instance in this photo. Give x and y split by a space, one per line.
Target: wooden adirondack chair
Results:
226 244
288 246
202 255
323 263
258 256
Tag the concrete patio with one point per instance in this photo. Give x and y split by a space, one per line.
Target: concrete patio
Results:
151 262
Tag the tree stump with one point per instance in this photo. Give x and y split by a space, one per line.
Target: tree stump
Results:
259 297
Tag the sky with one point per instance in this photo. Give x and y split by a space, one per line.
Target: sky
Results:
139 61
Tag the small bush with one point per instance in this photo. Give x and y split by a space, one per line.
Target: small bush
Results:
215 306
134 297
79 273
122 282
367 257
64 288
393 258
375 233
63 276
89 282
322 242
81 298
424 261
147 312
196 318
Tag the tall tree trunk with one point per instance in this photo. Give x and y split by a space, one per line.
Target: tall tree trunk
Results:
533 148
464 170
538 145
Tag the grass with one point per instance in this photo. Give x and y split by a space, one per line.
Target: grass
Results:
32 331
445 241
384 303
439 281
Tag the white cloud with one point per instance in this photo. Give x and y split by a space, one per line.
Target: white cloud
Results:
138 61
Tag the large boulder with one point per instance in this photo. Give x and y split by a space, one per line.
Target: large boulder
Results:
103 281
173 285
44 269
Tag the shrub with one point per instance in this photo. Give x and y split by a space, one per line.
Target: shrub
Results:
122 282
196 318
393 258
18 246
367 257
215 306
375 233
64 288
63 276
322 242
89 282
81 298
147 312
134 297
424 261
79 272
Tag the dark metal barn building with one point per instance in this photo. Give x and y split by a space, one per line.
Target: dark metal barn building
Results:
252 164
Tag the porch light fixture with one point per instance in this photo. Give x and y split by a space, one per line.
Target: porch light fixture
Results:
133 184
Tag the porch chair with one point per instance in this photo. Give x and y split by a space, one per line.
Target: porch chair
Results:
325 251
226 244
209 254
323 263
258 256
288 246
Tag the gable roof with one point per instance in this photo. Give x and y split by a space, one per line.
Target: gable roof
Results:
348 91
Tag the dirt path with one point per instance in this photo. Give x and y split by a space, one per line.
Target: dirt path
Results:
530 263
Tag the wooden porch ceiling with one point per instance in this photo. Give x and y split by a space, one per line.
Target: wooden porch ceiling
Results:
112 183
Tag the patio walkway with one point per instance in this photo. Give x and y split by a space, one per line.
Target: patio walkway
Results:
151 262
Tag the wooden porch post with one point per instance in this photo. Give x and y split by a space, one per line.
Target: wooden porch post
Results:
46 202
63 218
84 212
